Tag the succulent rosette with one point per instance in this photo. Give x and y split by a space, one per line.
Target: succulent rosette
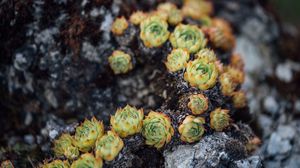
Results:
239 99
120 62
220 39
237 75
108 146
127 121
119 26
219 119
206 53
57 164
191 129
63 147
154 31
197 9
87 133
201 73
227 84
137 17
174 14
189 37
87 160
198 104
177 59
157 129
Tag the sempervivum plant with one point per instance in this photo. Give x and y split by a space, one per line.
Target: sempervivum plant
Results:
191 129
239 99
127 121
177 59
108 146
157 129
197 9
189 37
206 53
6 164
57 164
174 14
219 119
119 26
198 104
154 31
120 62
87 160
227 84
137 17
201 73
87 133
63 147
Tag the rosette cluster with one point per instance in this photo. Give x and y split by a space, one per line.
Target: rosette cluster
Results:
127 121
87 133
108 146
191 129
120 62
177 59
219 119
157 129
189 37
201 73
154 31
63 146
198 104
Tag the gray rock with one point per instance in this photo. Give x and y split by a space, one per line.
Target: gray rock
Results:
286 132
216 150
271 105
251 162
278 145
293 162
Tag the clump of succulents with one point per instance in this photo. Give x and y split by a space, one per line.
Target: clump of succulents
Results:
188 58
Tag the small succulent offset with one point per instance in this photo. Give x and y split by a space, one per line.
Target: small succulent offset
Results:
87 160
219 119
57 164
197 9
137 17
198 104
227 84
206 53
237 75
127 121
191 129
154 31
63 146
120 62
6 164
108 146
87 133
201 73
174 14
157 129
119 26
239 99
189 37
177 59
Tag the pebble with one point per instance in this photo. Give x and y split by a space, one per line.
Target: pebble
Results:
286 132
278 145
284 72
270 104
53 134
